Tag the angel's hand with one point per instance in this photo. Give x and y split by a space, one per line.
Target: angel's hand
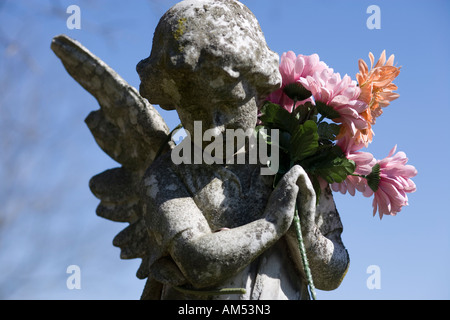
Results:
321 230
306 204
198 251
281 204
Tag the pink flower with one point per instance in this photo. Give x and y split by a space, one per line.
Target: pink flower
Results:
395 183
364 162
347 141
292 69
341 94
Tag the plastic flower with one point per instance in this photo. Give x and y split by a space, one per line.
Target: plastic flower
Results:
376 84
395 183
355 139
376 90
354 107
364 162
292 69
341 94
350 142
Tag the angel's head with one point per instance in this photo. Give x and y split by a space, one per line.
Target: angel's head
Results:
211 63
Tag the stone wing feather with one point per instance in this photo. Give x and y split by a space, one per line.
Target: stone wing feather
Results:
132 132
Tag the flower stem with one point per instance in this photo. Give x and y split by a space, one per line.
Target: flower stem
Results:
301 245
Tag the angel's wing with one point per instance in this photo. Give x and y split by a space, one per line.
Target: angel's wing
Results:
131 131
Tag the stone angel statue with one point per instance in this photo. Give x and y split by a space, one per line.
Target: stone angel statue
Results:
199 228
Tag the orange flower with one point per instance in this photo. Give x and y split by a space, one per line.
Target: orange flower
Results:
376 84
376 91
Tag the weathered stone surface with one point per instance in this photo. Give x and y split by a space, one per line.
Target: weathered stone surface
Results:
203 226
221 42
127 127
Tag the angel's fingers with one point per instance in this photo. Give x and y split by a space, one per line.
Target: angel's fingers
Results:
306 200
281 204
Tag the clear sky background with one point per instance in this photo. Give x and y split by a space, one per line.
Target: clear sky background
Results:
47 213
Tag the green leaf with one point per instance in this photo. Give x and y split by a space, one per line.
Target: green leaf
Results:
284 141
330 164
328 131
306 111
304 141
337 170
326 110
264 132
276 117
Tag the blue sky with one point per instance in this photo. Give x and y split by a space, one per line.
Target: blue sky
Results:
412 249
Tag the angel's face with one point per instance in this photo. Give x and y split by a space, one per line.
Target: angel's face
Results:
218 110
214 96
219 97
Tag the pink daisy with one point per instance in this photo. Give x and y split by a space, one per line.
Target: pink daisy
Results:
364 162
395 183
292 69
341 94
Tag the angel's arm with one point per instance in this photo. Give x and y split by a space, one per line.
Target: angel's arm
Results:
205 257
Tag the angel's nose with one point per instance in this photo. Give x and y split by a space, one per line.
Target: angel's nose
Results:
141 67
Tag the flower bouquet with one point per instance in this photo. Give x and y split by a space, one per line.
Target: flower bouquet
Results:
324 120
